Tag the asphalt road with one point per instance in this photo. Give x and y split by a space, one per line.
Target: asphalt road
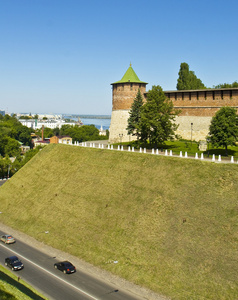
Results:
2 182
39 272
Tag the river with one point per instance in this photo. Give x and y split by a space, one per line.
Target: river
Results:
97 122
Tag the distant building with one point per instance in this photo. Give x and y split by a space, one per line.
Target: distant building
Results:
24 149
2 112
41 143
52 123
102 131
61 139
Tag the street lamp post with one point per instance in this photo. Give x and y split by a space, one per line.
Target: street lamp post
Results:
8 171
191 133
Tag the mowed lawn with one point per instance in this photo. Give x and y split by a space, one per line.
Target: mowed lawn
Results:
171 224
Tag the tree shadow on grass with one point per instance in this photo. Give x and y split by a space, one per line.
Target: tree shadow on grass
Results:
21 287
221 152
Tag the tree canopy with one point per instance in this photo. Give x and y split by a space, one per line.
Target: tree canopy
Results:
11 133
224 128
157 118
188 80
226 85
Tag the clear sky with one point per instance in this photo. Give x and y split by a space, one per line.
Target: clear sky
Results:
60 56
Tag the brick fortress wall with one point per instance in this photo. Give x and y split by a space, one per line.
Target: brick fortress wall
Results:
198 108
203 103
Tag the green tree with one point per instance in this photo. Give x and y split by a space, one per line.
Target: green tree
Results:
12 147
4 164
56 131
23 135
48 132
66 129
85 133
226 85
157 118
224 128
135 115
188 80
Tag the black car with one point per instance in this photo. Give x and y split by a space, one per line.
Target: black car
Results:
14 263
65 266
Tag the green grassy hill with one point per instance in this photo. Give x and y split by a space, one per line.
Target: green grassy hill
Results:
172 224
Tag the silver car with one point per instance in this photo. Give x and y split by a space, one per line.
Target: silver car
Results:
7 239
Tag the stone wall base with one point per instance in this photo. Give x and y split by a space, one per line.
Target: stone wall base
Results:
197 131
117 131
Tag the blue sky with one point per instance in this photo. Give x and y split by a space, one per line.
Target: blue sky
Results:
59 56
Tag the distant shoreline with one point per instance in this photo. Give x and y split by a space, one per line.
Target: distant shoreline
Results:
87 116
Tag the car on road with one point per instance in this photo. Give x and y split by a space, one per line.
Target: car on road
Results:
14 263
7 239
65 266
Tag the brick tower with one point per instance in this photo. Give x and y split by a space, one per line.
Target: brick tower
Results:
123 94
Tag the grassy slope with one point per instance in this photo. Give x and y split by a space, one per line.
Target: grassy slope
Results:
12 289
105 205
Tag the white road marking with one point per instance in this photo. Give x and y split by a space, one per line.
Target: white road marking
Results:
49 272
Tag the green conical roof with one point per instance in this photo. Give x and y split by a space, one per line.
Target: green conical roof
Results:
130 76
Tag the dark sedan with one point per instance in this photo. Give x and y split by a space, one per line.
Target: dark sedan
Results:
65 266
14 263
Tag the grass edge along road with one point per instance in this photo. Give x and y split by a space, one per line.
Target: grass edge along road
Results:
13 287
170 224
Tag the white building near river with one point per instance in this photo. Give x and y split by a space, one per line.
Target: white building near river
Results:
51 123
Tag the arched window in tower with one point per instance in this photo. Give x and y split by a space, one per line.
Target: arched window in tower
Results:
131 86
